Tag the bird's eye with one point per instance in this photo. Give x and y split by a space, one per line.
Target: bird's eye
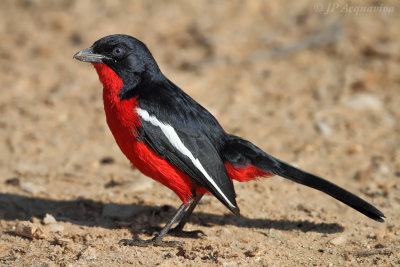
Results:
118 51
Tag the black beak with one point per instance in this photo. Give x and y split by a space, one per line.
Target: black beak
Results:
87 55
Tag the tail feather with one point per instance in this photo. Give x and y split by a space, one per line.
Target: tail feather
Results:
249 153
287 171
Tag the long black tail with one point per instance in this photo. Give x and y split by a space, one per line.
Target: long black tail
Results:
242 151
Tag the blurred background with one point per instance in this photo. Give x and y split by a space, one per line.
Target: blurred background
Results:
315 83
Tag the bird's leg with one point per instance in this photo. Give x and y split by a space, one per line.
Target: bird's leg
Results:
157 239
178 230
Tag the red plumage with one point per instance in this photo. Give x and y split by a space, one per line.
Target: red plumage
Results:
245 173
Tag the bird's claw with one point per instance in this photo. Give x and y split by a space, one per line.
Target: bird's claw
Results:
190 234
177 231
148 242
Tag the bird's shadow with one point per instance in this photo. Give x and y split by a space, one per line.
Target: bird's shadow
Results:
93 213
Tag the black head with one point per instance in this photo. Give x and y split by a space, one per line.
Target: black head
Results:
127 56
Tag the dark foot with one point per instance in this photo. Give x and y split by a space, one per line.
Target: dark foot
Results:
177 231
145 243
191 234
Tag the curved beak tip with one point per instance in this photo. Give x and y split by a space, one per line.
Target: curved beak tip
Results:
87 55
83 55
78 55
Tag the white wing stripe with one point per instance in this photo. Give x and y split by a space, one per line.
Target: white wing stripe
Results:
173 137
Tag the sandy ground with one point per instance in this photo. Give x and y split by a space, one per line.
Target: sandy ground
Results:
315 86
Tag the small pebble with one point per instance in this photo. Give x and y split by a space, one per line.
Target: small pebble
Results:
30 187
324 128
339 240
56 228
107 160
28 229
49 219
354 148
348 256
371 235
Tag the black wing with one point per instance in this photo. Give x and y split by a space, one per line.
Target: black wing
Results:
179 130
192 153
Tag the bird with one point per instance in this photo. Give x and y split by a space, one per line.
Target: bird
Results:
171 138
